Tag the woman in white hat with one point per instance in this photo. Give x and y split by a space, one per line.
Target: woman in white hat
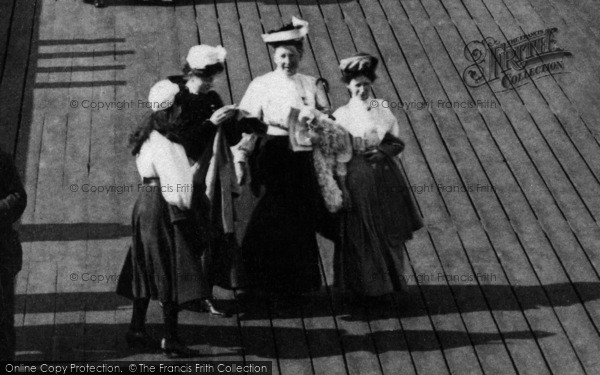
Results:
369 260
157 259
207 130
279 249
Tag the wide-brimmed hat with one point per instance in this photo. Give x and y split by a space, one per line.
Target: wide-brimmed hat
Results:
201 56
294 32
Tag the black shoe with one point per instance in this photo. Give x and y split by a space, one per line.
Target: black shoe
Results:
206 305
99 3
140 339
173 348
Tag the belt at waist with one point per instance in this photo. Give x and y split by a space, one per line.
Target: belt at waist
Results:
152 181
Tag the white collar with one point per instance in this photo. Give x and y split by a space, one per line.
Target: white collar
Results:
356 103
283 75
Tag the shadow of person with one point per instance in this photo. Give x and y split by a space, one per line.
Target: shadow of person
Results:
106 342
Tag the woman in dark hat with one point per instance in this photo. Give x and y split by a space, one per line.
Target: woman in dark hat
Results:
13 200
382 214
279 249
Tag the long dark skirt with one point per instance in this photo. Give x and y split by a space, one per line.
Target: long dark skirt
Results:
279 250
164 261
370 258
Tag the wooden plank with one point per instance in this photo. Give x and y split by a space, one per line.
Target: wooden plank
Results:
588 238
582 141
561 118
293 353
257 334
102 165
446 32
21 305
392 338
69 321
207 23
48 198
572 321
566 11
32 120
38 323
584 13
579 84
323 336
238 71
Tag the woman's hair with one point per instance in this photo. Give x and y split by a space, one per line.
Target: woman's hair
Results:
167 122
347 77
298 44
207 71
361 64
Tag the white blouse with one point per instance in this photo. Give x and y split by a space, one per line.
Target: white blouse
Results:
270 98
159 157
367 121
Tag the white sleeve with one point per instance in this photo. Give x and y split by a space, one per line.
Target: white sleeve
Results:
172 167
337 115
251 103
250 106
394 128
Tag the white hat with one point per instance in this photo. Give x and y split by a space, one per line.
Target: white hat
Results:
299 31
162 95
202 55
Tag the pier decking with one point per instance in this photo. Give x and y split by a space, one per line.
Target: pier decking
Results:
504 279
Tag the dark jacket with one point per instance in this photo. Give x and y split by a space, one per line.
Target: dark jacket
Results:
13 200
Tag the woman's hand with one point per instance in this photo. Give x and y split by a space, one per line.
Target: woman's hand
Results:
193 84
223 114
306 115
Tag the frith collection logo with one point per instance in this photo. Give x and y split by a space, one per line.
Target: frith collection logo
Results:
511 64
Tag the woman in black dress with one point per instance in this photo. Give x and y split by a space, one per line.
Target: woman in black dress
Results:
209 146
279 249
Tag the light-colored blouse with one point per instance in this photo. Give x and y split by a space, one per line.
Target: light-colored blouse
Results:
367 121
270 98
159 157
